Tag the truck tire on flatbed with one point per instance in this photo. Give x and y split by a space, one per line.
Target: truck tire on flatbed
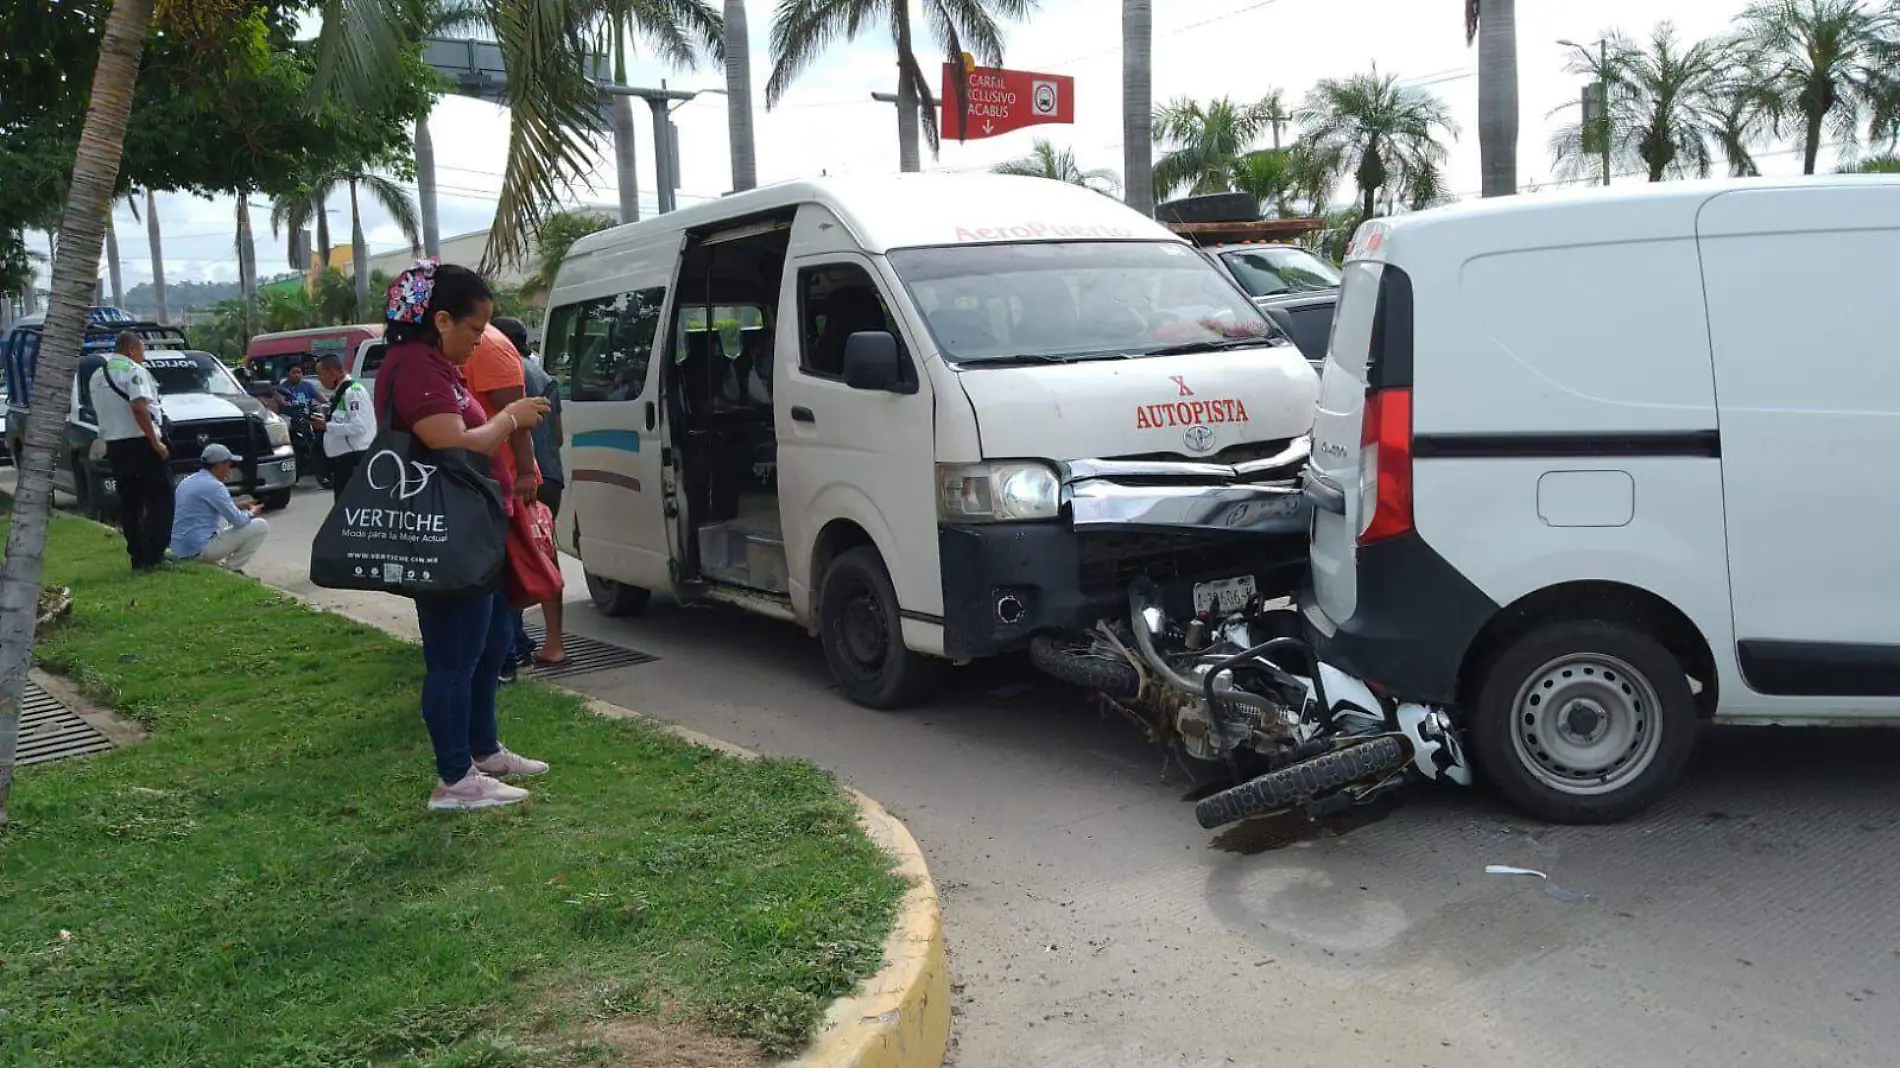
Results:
1302 782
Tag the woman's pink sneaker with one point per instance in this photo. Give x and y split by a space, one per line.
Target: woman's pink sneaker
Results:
504 762
474 790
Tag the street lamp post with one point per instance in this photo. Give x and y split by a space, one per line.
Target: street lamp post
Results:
892 98
1596 99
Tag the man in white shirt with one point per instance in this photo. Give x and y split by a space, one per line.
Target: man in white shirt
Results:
125 398
351 425
209 525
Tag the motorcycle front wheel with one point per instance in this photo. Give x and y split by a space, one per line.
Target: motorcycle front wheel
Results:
1307 780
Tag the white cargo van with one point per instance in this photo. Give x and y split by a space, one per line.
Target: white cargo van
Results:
925 416
1597 467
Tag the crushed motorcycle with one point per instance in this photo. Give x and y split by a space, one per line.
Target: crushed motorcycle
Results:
1245 698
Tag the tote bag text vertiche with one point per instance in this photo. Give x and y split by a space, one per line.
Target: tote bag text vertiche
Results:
414 521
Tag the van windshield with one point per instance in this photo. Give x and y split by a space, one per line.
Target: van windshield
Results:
190 372
1075 300
1351 346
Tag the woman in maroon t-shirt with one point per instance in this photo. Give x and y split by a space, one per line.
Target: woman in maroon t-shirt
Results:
436 315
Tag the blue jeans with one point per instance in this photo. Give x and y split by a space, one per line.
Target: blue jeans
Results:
463 642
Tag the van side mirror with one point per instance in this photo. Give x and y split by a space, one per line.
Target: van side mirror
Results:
872 362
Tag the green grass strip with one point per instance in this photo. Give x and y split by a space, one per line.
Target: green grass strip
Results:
259 885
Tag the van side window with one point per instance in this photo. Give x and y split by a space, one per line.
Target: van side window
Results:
835 302
609 345
557 347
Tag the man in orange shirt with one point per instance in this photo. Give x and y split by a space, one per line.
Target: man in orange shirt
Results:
495 374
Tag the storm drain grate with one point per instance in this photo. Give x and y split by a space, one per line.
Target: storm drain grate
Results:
585 655
51 731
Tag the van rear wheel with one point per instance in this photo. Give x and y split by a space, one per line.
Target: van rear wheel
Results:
1583 721
862 629
616 599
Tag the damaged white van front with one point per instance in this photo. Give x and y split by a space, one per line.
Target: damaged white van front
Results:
928 417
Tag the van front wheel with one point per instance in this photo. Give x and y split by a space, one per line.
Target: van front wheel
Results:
863 634
1583 722
616 599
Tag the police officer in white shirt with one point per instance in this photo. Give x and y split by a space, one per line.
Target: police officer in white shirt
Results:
131 423
351 425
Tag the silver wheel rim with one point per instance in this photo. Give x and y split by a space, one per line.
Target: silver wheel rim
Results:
1586 724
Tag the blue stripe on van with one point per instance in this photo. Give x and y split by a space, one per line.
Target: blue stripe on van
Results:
624 440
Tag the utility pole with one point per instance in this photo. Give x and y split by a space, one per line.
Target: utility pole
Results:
665 135
1603 100
892 98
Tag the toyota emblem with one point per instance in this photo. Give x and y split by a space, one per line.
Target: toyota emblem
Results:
1198 438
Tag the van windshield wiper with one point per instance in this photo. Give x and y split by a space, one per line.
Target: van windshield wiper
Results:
1024 359
1220 345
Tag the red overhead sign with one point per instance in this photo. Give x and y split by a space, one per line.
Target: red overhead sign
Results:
997 101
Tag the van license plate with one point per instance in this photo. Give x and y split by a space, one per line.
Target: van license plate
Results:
1224 596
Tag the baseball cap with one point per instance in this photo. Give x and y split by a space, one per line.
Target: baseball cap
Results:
216 454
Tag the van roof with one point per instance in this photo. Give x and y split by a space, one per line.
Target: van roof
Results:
1588 216
913 210
288 341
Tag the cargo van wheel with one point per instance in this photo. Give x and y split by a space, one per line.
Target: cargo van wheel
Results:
615 599
275 502
1583 721
863 633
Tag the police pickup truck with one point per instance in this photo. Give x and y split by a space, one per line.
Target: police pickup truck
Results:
202 403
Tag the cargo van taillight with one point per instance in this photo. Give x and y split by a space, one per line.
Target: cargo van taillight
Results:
1385 465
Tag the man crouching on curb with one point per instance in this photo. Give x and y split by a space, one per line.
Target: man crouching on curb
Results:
206 525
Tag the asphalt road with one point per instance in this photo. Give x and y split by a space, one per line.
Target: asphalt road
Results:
1092 923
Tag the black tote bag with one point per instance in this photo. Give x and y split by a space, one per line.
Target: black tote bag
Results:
412 521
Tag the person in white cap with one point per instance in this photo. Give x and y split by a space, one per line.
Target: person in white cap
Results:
206 525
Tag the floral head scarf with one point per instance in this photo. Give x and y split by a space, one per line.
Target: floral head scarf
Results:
409 294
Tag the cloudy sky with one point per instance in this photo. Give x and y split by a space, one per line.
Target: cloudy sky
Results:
1202 49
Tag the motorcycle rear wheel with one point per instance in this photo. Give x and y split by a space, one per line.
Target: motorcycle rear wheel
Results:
1305 781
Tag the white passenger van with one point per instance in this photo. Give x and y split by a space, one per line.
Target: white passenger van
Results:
924 416
1597 467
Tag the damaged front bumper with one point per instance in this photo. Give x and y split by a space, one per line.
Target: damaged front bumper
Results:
1261 497
1179 525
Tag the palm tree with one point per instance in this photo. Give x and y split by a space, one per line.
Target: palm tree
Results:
679 32
1828 67
113 274
1274 110
1265 175
803 29
1887 164
745 168
153 239
1380 131
1672 109
1495 30
1138 149
1060 165
1312 172
1208 139
247 264
556 236
293 211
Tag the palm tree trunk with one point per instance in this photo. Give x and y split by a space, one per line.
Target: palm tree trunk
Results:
153 236
112 263
1497 97
425 189
1811 144
247 264
89 198
909 160
1138 185
322 211
359 254
624 164
1370 204
745 170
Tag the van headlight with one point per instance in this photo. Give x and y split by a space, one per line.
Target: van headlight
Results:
997 493
276 430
